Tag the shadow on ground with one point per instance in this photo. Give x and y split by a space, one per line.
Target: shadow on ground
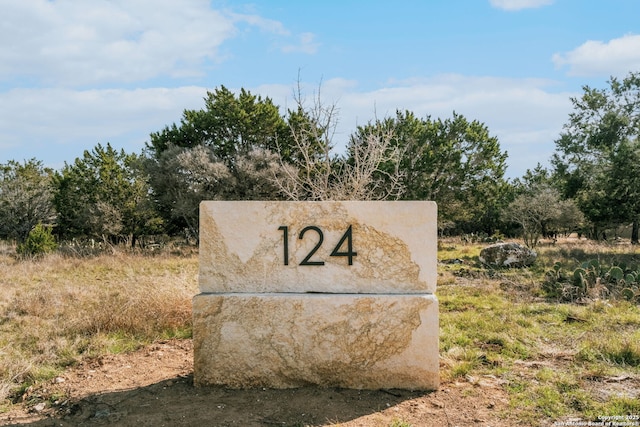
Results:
176 402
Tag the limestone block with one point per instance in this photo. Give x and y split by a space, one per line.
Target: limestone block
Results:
377 247
244 340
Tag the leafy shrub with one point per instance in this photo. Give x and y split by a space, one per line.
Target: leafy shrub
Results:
39 241
593 280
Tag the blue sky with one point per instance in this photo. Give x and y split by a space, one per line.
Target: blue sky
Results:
77 73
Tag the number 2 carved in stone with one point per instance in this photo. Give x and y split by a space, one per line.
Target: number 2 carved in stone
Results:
347 238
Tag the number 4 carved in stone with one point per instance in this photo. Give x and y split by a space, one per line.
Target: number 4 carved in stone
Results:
347 238
350 253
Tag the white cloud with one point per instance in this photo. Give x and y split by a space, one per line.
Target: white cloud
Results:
306 43
513 5
268 25
59 124
597 58
74 43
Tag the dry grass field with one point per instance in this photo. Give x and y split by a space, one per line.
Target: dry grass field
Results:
58 310
105 340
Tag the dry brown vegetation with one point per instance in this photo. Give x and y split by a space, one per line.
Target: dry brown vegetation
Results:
56 310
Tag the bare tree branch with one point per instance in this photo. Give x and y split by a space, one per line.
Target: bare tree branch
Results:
318 174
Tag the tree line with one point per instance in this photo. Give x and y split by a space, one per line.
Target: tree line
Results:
241 147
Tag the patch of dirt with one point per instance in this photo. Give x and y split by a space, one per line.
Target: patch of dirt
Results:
154 387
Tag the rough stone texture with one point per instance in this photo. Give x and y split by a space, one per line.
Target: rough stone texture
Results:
508 255
241 247
262 323
291 340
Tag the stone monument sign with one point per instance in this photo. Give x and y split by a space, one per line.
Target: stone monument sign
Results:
336 294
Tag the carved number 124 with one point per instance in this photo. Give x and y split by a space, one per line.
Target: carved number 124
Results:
347 238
